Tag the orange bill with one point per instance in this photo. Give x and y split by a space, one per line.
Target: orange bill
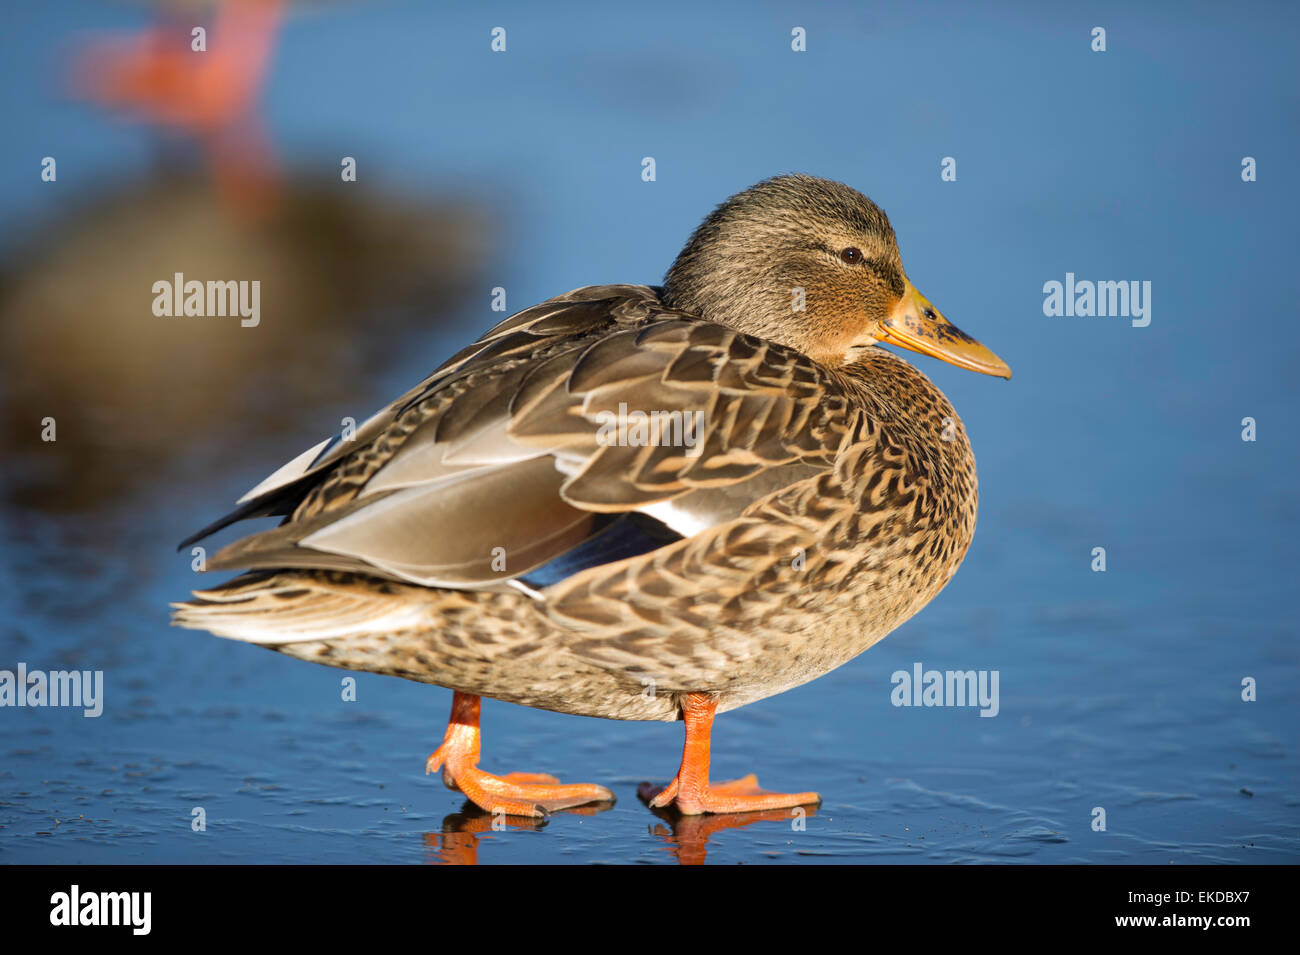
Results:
917 325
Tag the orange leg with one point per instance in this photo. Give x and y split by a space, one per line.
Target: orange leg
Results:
162 79
517 794
690 792
210 95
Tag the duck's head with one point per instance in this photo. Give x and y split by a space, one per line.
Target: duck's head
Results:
813 264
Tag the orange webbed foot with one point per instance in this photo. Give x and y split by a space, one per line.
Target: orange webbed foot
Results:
736 795
515 794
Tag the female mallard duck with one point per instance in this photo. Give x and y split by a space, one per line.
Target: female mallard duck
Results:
636 503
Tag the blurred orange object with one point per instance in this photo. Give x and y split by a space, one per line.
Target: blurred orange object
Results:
209 93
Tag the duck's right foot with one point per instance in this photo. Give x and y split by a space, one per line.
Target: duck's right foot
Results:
690 792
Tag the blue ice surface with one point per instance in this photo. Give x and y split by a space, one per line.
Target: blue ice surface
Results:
1119 690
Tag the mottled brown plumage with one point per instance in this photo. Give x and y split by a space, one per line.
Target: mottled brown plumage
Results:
830 493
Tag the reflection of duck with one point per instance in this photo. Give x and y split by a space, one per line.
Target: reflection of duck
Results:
688 836
457 843
493 532
209 94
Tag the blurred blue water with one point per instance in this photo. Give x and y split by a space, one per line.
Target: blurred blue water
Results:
1119 689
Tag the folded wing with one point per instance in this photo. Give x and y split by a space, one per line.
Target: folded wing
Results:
572 434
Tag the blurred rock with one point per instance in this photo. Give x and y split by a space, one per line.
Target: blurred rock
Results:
347 274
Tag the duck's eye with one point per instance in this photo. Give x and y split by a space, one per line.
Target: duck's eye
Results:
851 255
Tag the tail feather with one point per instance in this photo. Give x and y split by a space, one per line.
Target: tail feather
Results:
280 608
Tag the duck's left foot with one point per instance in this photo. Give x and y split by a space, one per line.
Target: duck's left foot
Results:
515 794
690 792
